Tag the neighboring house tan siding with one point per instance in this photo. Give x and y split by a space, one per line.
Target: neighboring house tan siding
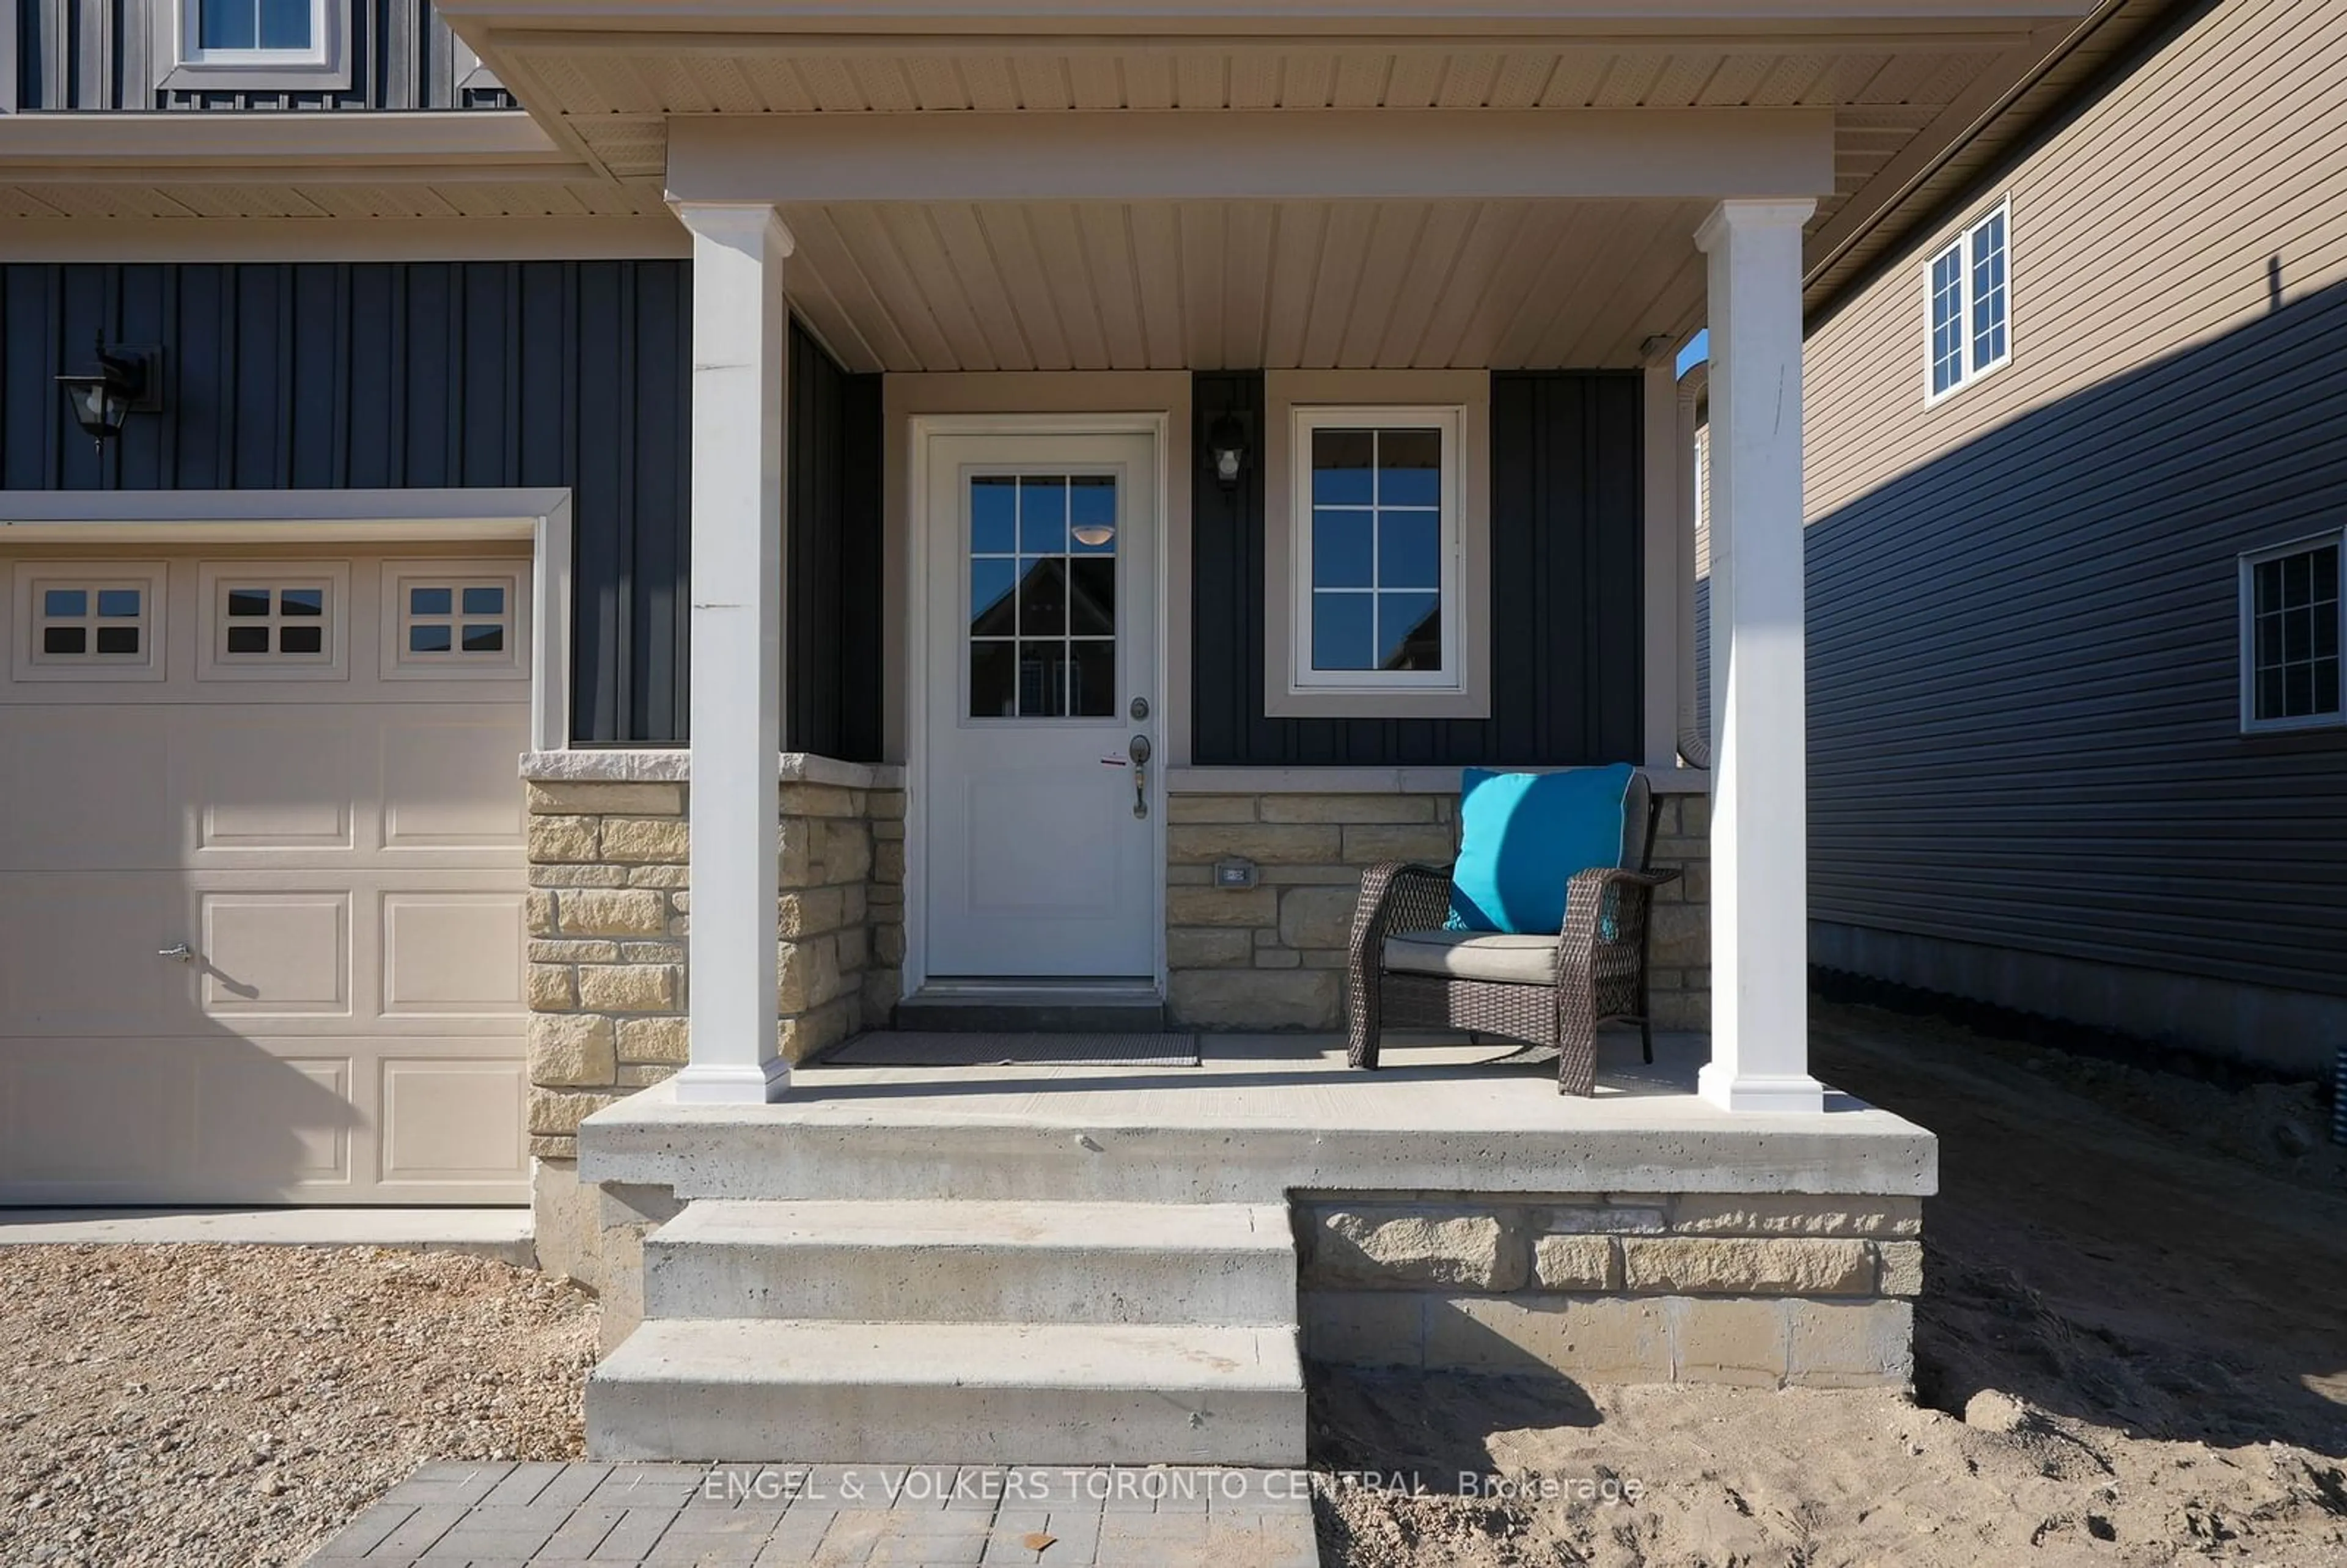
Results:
2023 644
2144 227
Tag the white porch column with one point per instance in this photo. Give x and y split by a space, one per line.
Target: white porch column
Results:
1759 809
740 337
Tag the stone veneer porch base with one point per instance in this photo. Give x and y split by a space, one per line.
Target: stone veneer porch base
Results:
1442 1214
1271 956
610 909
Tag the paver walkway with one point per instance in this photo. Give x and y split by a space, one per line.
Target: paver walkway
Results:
793 1516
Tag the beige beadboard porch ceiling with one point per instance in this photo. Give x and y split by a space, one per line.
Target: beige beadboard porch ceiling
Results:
1206 285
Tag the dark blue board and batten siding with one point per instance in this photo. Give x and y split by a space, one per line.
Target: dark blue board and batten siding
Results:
102 55
421 375
1565 628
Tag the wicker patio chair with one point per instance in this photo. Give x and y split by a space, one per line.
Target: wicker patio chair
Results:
1404 970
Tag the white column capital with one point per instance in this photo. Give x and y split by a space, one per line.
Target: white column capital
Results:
1743 215
737 224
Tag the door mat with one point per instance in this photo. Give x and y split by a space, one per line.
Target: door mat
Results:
937 1047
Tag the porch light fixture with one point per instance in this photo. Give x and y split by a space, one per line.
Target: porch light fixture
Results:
1095 534
1227 444
127 382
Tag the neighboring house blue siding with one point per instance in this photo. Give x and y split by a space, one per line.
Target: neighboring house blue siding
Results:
1566 628
2024 677
102 55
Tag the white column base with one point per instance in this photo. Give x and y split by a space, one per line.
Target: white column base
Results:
718 1083
1720 1083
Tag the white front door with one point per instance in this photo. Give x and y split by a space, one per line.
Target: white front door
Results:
1040 828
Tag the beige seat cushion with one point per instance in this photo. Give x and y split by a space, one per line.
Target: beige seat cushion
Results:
1528 961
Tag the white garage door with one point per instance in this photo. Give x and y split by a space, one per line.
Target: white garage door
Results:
303 772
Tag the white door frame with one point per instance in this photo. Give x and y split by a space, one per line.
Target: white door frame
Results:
921 427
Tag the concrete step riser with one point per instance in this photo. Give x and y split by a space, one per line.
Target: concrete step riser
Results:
981 1283
944 1425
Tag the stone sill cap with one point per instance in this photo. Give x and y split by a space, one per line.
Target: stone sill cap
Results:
673 764
1382 781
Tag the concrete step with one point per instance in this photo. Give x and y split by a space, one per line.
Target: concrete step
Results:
975 1262
950 1393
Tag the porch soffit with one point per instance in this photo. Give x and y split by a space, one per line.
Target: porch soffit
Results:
1206 285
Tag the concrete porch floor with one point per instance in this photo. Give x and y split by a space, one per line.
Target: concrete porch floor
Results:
1261 1116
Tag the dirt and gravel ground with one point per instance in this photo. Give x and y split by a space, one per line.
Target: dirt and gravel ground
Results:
217 1407
2132 1350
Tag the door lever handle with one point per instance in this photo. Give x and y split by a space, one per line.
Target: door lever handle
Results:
178 952
1139 752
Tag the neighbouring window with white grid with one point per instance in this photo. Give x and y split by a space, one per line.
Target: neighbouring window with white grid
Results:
2292 630
1968 285
1377 559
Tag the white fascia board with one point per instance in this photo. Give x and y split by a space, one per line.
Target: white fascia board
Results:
448 144
654 237
1251 155
934 16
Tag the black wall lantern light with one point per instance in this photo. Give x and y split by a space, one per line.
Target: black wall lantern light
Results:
1226 447
128 381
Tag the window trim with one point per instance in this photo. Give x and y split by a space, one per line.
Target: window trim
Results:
150 577
183 64
215 577
1968 373
1299 402
399 664
2246 617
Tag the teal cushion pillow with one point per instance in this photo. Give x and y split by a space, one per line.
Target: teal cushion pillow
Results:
1521 837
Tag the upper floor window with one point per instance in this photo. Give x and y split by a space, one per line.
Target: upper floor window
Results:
1968 287
2290 633
255 27
258 45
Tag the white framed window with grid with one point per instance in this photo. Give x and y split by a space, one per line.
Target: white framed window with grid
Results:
1968 305
1376 567
2293 622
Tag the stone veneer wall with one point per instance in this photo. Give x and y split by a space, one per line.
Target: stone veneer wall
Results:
608 912
1793 1290
1273 956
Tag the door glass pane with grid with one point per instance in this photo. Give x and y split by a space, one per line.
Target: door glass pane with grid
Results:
1042 596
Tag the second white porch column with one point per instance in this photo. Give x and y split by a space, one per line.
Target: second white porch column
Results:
1759 807
740 328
